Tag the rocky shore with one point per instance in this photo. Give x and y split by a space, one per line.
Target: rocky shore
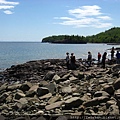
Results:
46 87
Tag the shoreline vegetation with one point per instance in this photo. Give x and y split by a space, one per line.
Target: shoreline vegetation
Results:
110 37
44 88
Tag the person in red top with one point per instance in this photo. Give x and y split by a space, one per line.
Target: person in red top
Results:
99 57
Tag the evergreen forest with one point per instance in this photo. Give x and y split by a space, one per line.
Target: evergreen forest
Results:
109 36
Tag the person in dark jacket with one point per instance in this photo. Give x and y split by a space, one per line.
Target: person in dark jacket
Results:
118 57
112 53
103 59
72 61
67 60
89 59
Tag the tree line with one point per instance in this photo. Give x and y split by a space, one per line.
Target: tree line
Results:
109 36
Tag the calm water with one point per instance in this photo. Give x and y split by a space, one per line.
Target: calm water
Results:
12 53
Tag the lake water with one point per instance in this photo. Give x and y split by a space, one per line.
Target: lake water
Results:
13 53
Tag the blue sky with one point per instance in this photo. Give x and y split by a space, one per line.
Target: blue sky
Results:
32 20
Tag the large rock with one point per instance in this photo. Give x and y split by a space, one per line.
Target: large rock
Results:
73 102
54 99
26 86
51 87
19 95
32 91
56 78
13 87
96 101
46 96
49 75
42 91
67 89
101 93
117 84
109 89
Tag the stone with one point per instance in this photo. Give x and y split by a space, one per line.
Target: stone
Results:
117 84
101 93
81 75
96 101
116 67
51 87
109 89
13 87
67 89
30 93
9 99
86 98
66 76
46 96
26 86
40 112
54 105
19 95
3 87
54 99
113 110
117 94
42 91
34 88
23 101
73 102
56 78
72 79
49 75
43 83
110 102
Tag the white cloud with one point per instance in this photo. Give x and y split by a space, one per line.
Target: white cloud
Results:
8 12
85 11
104 17
7 6
7 2
86 16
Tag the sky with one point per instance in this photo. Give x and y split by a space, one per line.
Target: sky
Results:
33 20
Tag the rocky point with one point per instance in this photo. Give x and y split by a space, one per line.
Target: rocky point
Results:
47 87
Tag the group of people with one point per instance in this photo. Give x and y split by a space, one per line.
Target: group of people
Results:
117 55
70 61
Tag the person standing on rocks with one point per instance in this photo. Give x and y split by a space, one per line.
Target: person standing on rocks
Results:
72 61
112 53
67 60
99 57
118 57
89 59
103 59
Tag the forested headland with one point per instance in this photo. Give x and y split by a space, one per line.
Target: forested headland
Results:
109 36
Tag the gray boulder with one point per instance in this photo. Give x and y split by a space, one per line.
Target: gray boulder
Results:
42 91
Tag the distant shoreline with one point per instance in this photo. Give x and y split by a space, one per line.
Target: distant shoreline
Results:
113 43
